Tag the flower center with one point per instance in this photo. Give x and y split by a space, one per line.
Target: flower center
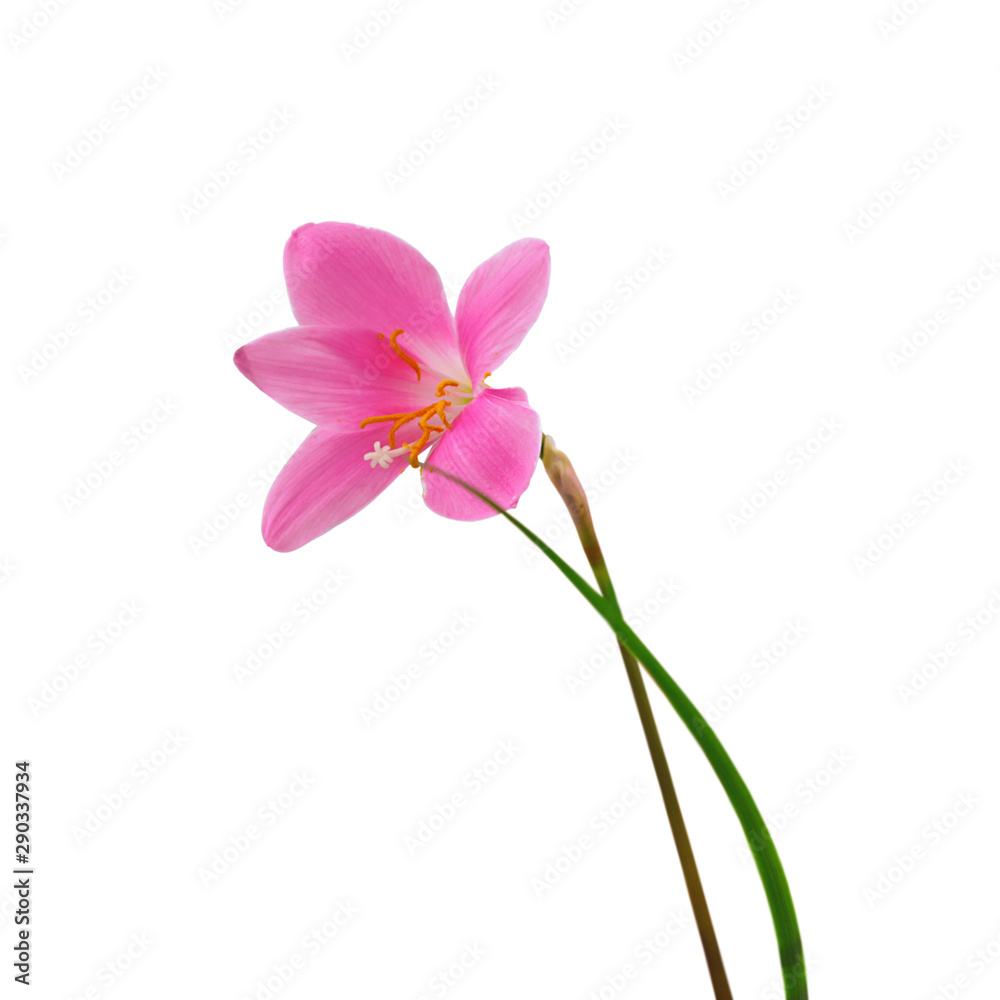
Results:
424 416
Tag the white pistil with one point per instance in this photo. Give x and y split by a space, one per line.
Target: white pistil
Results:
383 455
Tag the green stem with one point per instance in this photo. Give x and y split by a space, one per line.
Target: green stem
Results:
758 836
567 484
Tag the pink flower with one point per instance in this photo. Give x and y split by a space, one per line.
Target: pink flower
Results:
383 369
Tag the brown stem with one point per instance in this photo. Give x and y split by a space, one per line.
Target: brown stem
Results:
568 485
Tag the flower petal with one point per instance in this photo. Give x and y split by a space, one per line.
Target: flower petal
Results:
325 482
349 276
499 304
494 446
335 378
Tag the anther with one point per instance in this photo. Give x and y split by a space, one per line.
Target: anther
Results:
402 354
443 385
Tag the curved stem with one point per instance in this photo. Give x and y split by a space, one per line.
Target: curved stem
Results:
567 484
758 836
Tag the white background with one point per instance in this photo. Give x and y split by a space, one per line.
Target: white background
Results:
174 527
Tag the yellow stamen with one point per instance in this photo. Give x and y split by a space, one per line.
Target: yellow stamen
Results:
402 354
434 410
424 414
404 419
398 420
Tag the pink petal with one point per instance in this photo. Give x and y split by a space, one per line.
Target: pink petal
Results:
335 378
325 482
351 277
494 446
499 304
